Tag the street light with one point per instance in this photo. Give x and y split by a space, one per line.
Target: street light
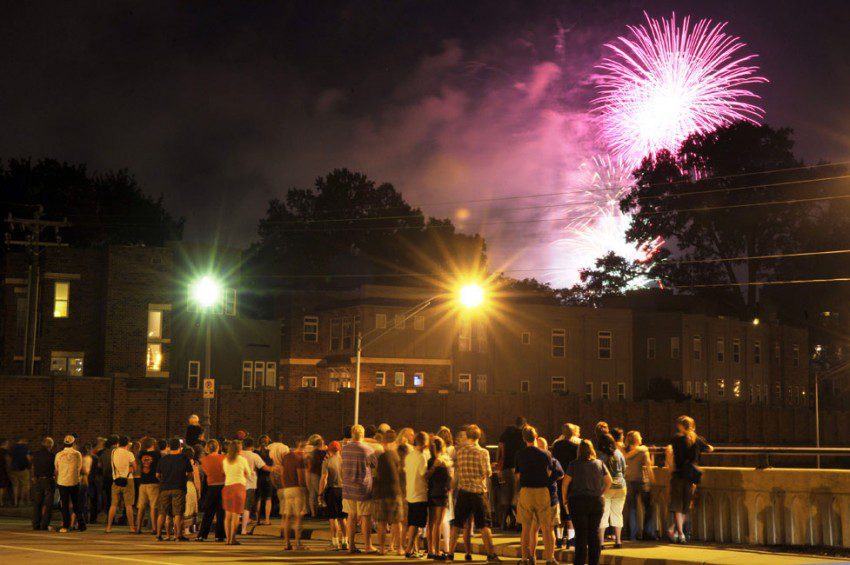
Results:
206 292
470 296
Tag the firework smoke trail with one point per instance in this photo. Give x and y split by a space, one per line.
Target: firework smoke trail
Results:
665 82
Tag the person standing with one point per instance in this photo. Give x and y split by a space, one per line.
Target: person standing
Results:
5 482
172 471
193 493
510 442
44 484
387 502
213 466
105 457
256 464
96 481
472 472
19 472
439 479
194 431
236 473
533 467
358 462
123 465
265 489
69 464
615 496
149 457
639 479
293 503
683 454
314 474
330 486
565 450
416 485
585 481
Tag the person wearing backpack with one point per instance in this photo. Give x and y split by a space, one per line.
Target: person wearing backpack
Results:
615 496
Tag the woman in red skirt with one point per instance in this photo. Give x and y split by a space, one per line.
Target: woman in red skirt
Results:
236 473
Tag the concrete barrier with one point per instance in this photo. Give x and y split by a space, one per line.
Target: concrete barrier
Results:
767 506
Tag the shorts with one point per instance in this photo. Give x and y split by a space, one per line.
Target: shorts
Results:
417 514
293 501
612 514
172 502
265 490
681 494
125 493
472 505
20 480
148 496
250 498
388 510
535 504
333 503
438 501
233 498
357 507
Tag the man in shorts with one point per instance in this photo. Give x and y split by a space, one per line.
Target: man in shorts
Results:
173 471
148 483
534 466
472 472
358 462
255 464
293 504
123 465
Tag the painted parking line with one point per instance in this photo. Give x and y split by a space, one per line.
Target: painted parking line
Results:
81 554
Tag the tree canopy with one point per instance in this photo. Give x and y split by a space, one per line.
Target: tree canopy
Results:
347 230
103 208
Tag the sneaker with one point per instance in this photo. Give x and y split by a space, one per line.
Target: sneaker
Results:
63 530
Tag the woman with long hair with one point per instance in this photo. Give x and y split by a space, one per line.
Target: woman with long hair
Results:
439 490
236 473
639 479
586 480
615 496
683 460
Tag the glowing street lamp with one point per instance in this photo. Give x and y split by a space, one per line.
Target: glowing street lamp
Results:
206 292
471 296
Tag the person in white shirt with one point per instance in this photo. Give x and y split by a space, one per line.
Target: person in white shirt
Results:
123 465
69 464
236 473
416 492
255 463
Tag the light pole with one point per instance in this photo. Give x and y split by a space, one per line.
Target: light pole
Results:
470 296
206 292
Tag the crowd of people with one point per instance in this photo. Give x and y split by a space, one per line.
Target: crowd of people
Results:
419 493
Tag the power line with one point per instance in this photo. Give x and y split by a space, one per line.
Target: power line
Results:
762 283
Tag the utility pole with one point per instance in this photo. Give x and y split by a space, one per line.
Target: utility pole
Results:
33 239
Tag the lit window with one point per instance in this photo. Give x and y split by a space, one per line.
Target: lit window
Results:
721 350
757 352
419 323
380 378
524 387
61 297
697 348
736 350
309 382
559 384
154 324
675 349
66 363
650 348
75 366
418 379
381 321
58 365
697 389
481 383
399 378
736 388
154 357
559 343
271 374
465 338
621 391
464 382
604 342
259 373
194 375
335 334
311 328
795 355
526 338
588 392
721 387
399 322
603 391
247 374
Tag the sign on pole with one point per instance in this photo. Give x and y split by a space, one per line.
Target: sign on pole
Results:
209 388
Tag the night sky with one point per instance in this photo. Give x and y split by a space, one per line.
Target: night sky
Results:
220 106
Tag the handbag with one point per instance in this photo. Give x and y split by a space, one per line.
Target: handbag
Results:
118 481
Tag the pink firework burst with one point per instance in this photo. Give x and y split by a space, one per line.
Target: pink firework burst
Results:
665 82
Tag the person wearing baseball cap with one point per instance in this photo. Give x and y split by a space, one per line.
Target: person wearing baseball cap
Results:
69 464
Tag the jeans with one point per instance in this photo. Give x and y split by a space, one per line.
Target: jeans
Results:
71 496
212 509
635 491
42 503
586 513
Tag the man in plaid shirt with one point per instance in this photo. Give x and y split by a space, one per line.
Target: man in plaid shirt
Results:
472 471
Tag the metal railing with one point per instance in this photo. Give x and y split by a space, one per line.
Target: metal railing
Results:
767 453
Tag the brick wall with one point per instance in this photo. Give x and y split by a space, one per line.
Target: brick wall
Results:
33 406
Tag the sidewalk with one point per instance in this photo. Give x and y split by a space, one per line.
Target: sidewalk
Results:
654 553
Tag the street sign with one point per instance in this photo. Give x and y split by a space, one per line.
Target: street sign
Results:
209 388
